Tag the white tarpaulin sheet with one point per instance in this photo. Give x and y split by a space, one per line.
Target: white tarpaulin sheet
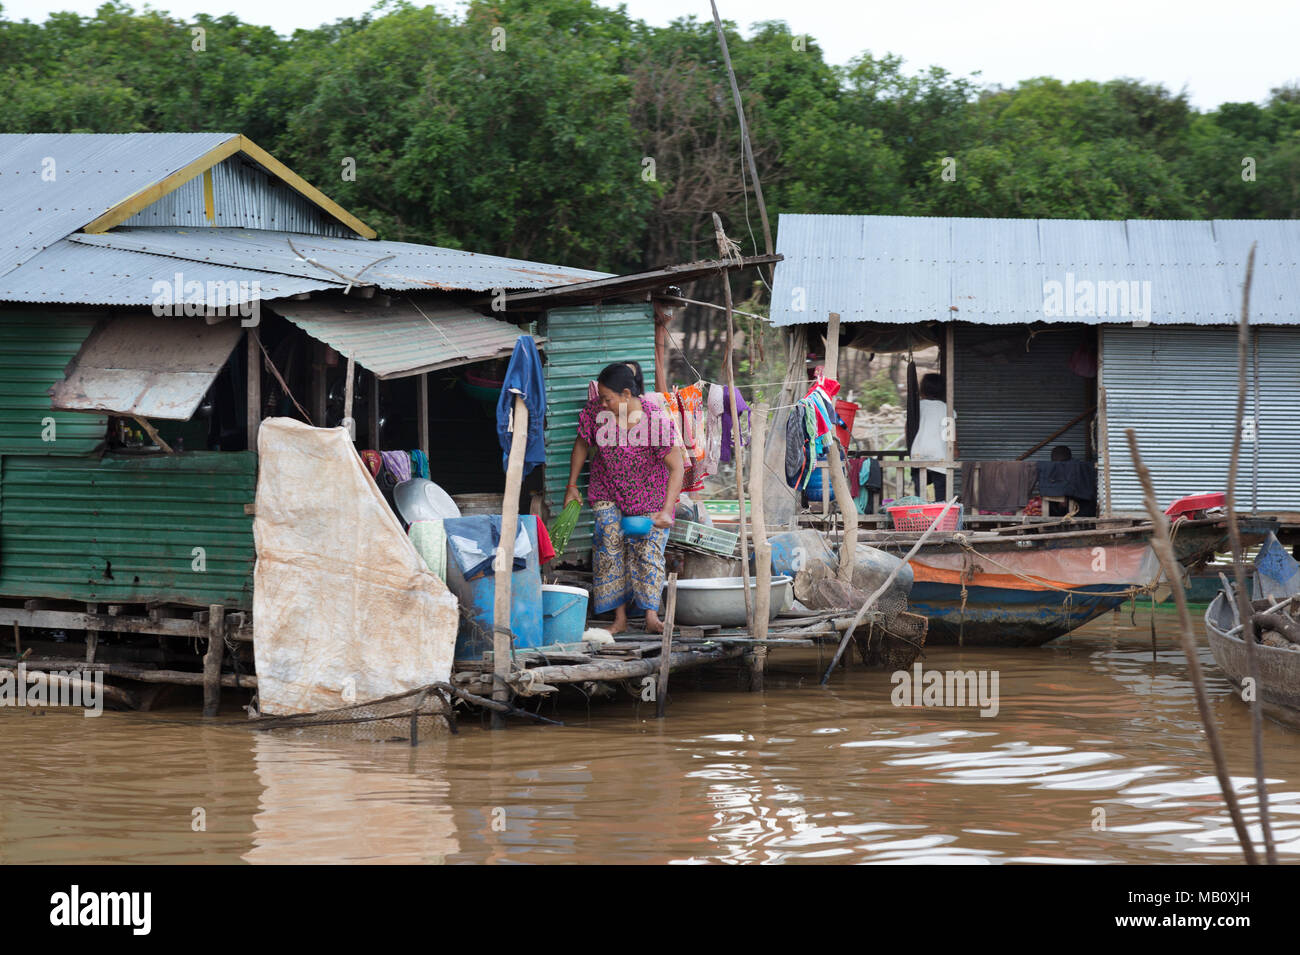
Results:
344 610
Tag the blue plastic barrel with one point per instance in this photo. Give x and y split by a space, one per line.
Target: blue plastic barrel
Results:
564 613
478 597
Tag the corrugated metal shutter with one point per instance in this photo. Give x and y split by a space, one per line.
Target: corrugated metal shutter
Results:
1177 387
35 348
580 342
123 528
1012 391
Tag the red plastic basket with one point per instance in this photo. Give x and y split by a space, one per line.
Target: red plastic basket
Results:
918 517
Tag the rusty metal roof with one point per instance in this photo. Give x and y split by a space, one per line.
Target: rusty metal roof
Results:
147 365
403 336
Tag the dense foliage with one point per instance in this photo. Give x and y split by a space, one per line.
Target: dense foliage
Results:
528 127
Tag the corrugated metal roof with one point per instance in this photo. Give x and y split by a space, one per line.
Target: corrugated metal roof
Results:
35 348
71 273
156 367
411 267
903 269
124 528
244 195
582 341
52 184
403 338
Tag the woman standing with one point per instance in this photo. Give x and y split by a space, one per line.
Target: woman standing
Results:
636 470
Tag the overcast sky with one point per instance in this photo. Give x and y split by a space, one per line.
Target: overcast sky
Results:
1220 51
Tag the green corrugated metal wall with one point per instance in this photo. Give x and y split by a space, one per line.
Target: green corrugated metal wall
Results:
35 347
579 343
122 529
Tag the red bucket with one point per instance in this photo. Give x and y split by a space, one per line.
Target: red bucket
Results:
848 411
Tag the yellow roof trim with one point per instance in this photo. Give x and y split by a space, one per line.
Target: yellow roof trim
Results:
236 144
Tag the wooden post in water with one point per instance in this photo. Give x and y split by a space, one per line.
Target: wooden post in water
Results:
502 635
757 657
92 636
212 659
848 509
666 649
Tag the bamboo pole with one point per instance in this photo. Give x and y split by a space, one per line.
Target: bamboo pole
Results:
254 385
422 415
848 509
374 412
857 619
502 635
1239 566
1164 549
666 649
348 388
757 658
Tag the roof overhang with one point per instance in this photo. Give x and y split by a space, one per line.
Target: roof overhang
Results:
400 338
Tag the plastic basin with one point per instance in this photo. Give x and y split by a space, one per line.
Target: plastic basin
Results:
721 600
564 613
637 526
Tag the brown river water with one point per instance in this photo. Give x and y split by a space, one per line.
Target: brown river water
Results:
799 773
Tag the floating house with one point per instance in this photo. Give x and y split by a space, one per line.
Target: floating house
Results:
1067 332
162 294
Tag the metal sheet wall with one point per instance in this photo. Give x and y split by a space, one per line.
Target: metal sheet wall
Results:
1011 391
123 528
1177 387
35 348
244 196
580 342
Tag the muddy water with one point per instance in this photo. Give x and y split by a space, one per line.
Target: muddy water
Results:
1096 755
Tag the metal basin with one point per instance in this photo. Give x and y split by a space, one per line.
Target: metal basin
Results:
721 600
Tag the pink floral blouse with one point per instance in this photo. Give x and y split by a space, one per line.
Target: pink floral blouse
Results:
627 462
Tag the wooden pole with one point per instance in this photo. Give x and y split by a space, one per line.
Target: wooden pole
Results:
762 549
1239 562
857 620
18 644
348 421
666 649
422 414
848 509
374 412
1163 546
254 385
212 659
92 636
1051 437
502 636
319 395
744 139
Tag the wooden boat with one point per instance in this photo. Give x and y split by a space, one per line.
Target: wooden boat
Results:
1019 588
1279 669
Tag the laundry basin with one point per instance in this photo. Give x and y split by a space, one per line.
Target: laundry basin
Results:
721 600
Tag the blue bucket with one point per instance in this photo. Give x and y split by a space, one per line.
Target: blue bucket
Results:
564 614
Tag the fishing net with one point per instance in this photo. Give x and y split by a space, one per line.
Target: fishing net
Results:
404 717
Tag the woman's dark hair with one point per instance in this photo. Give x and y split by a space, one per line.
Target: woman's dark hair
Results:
932 387
622 376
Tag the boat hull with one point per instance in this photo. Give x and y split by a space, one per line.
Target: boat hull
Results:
1006 617
1279 670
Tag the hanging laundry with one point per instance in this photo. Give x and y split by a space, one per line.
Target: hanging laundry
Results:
430 541
742 411
398 464
373 462
523 378
420 464
713 430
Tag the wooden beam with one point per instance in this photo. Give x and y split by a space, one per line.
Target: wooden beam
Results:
212 660
666 649
848 509
254 386
758 526
304 188
950 386
422 415
349 386
375 441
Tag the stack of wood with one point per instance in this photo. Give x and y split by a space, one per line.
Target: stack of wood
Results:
1277 626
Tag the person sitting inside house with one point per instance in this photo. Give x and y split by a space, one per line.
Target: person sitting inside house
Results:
930 443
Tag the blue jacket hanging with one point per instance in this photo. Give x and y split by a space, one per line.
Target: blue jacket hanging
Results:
523 377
